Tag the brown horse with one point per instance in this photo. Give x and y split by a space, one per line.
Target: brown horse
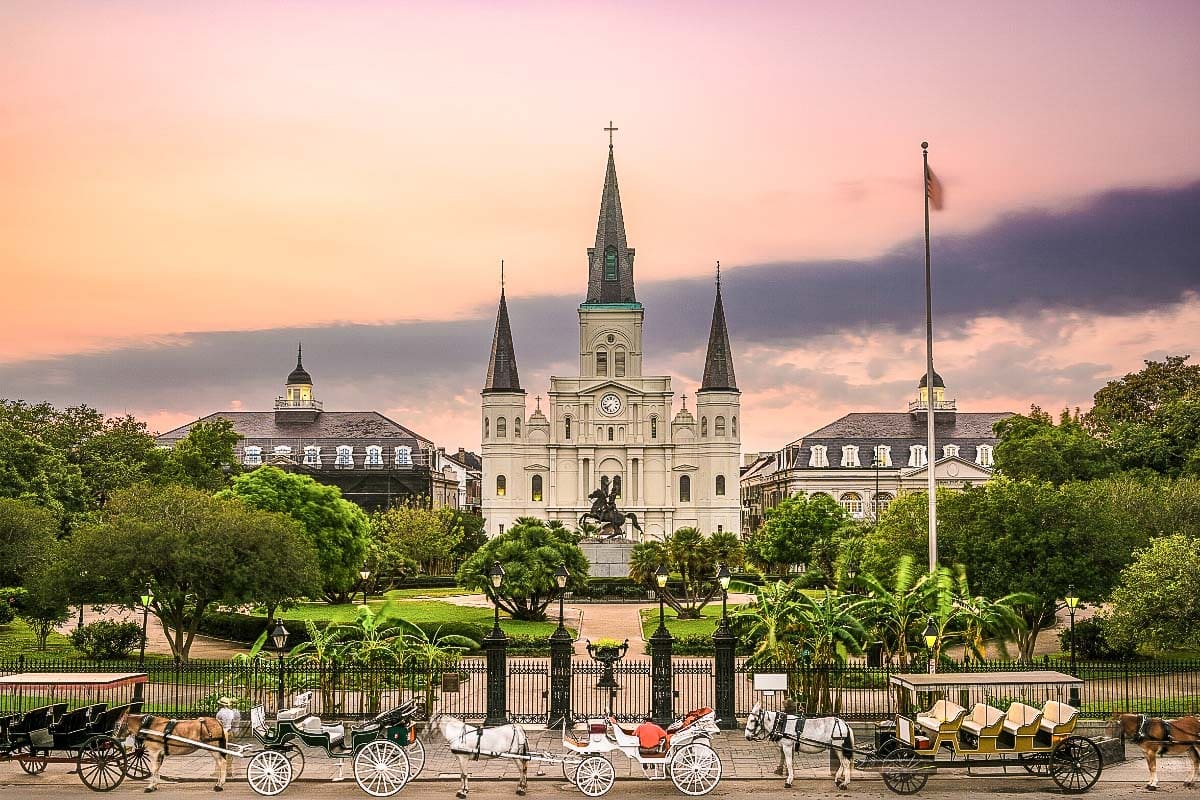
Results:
1163 737
206 730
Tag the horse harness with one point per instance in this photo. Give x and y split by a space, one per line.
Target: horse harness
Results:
166 732
790 727
476 752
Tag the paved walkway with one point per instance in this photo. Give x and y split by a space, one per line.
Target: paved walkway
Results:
156 640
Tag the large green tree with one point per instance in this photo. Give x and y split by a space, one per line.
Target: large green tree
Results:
205 458
408 538
692 559
337 528
1036 539
194 549
1153 605
800 530
1033 447
31 469
902 530
530 552
1137 397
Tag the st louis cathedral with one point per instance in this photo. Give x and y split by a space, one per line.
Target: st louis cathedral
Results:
610 427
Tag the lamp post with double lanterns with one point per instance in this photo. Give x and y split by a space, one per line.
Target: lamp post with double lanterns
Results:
662 698
560 659
279 637
147 598
495 646
930 635
724 644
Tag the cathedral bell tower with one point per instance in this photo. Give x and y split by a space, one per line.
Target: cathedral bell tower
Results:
503 417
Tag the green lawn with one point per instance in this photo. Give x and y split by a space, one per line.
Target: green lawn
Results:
16 639
432 611
682 627
450 591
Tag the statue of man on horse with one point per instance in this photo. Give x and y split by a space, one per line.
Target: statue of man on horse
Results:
604 511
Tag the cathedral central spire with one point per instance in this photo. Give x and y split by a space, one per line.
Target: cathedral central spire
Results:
610 261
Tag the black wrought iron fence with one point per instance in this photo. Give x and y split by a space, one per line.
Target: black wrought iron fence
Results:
1166 688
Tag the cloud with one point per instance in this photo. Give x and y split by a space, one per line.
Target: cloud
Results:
1120 254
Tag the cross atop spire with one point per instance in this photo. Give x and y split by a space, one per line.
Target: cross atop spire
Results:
502 276
611 130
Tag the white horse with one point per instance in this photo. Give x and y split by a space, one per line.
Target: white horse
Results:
471 743
806 734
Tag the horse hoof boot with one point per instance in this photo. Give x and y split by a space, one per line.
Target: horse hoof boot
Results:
461 795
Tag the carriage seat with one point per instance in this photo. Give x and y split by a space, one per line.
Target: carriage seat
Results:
689 719
1058 718
298 709
312 725
983 721
1020 718
944 717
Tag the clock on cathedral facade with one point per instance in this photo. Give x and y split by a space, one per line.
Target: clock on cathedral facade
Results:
611 424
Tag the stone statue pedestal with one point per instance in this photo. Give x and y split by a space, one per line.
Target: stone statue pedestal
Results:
607 559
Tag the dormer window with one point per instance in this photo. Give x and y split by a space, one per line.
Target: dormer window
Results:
984 455
850 455
282 450
818 456
610 264
374 456
403 456
602 363
949 450
916 456
252 456
345 457
882 456
312 456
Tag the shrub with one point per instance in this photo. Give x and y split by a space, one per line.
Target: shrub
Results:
10 600
1092 642
104 639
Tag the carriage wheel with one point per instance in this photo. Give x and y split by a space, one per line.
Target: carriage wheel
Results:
595 776
904 772
137 763
269 772
381 768
1035 763
416 758
570 765
1075 764
101 763
295 757
31 761
695 768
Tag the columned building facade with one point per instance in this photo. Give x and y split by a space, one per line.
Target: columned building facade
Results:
612 425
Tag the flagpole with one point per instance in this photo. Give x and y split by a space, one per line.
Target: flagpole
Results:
930 454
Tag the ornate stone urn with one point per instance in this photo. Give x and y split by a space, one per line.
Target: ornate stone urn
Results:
607 652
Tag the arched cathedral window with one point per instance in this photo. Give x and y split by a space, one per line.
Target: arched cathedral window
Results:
719 426
566 427
501 428
720 486
704 426
516 427
501 485
535 489
685 489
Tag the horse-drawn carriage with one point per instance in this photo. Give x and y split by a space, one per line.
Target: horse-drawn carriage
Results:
682 752
385 752
53 733
960 727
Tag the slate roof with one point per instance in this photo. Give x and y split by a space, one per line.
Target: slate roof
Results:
502 364
898 430
366 427
718 363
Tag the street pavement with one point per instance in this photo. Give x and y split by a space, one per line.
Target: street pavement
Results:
193 776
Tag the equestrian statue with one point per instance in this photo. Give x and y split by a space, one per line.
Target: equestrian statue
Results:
604 511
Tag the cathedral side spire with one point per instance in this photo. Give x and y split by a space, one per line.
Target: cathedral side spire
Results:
718 363
502 366
610 261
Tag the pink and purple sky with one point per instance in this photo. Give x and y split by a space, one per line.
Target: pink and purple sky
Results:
192 187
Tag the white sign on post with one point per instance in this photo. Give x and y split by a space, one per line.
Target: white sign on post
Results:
770 682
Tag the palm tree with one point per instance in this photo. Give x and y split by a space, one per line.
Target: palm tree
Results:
830 631
768 622
323 652
426 655
898 611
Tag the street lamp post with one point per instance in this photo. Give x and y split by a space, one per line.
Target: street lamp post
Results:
724 644
364 573
147 598
930 635
560 659
495 645
279 638
662 699
851 573
876 463
1072 601
82 575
